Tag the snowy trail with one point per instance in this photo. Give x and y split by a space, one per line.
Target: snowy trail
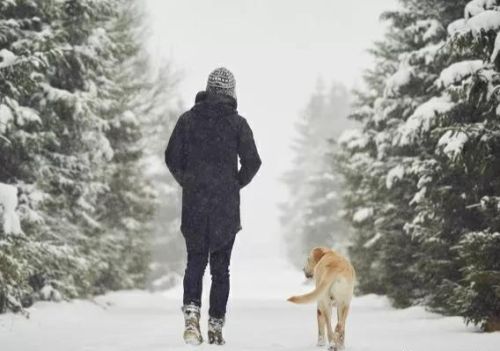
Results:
259 319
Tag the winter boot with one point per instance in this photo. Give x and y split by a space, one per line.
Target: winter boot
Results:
192 333
215 331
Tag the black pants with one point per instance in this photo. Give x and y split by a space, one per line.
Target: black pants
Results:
197 260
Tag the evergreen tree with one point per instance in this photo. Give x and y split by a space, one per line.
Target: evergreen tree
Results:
28 46
168 243
382 178
127 208
466 152
322 222
424 163
311 217
74 113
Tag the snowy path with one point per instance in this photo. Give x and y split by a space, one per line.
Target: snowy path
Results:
259 319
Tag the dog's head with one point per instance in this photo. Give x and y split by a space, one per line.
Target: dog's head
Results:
312 260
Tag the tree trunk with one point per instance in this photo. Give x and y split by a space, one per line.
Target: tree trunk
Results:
492 324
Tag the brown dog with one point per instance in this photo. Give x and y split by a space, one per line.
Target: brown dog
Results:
334 276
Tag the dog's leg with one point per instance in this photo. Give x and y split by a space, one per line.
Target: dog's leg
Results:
321 325
339 336
328 322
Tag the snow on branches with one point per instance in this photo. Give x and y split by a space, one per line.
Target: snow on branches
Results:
395 174
8 202
6 118
362 215
458 71
452 143
353 139
423 119
7 58
476 7
483 22
404 76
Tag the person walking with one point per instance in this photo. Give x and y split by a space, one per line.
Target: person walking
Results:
202 155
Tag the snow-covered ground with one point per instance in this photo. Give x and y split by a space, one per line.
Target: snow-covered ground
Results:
259 319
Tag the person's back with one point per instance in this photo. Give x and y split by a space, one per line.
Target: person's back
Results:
202 155
213 128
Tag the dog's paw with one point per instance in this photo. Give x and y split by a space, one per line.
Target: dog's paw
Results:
321 342
333 347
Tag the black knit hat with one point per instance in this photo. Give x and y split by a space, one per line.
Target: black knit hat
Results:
221 81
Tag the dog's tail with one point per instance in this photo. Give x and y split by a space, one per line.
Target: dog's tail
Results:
313 295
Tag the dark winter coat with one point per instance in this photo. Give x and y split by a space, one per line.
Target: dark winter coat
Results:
202 155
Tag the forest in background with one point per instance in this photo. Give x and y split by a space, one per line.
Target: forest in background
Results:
312 214
419 178
83 120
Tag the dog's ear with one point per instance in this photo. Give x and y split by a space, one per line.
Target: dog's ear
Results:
317 253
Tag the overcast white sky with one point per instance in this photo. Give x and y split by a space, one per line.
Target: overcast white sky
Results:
277 50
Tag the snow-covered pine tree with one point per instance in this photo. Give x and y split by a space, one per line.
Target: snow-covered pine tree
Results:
28 45
310 217
65 138
464 191
446 133
126 209
432 137
142 112
168 250
74 101
323 224
385 178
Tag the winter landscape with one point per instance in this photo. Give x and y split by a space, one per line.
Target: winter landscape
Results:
377 123
261 320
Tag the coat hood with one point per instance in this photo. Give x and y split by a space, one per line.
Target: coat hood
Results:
215 104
